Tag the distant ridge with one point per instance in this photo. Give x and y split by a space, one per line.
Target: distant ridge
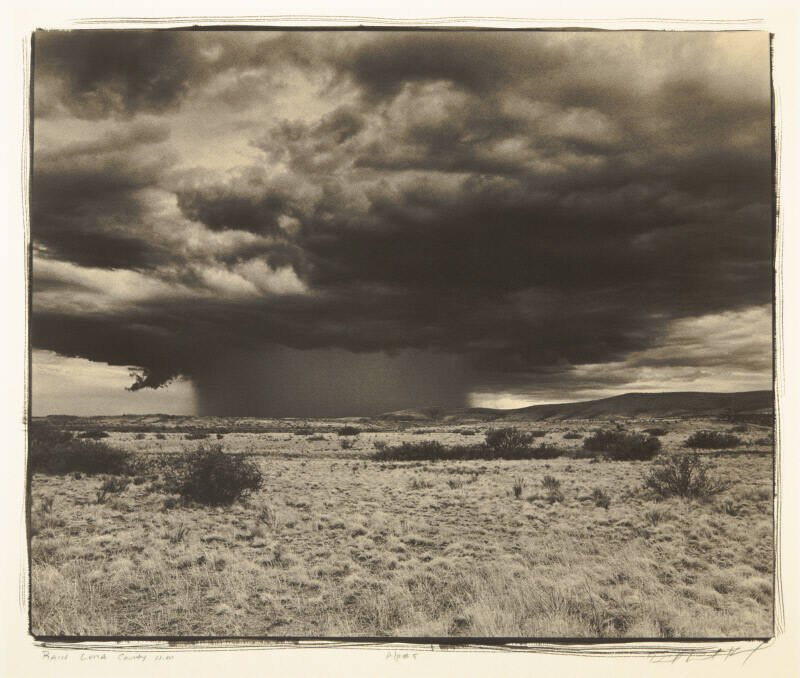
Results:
671 404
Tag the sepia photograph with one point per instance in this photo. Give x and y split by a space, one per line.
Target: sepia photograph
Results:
454 335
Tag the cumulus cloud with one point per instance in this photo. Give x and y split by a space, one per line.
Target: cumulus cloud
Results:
559 210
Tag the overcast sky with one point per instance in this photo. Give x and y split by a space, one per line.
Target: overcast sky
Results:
300 223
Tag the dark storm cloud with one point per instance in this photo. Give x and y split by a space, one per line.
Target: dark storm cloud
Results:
244 201
530 202
87 198
102 74
95 74
481 62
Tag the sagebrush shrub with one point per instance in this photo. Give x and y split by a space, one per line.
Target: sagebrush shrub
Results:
542 451
711 440
656 431
683 475
507 439
56 452
425 449
348 431
210 476
572 436
93 434
622 446
431 450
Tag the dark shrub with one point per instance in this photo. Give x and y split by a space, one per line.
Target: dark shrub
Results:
140 436
509 443
506 439
684 475
581 453
161 436
346 444
541 451
537 434
94 434
657 432
712 440
196 436
348 431
425 449
572 436
622 446
431 450
209 476
56 452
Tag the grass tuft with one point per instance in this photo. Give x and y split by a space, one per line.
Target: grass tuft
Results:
600 498
113 485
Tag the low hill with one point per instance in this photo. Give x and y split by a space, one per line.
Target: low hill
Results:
675 404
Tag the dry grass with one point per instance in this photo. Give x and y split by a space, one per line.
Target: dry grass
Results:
336 544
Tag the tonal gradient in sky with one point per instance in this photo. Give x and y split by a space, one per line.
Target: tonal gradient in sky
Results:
346 222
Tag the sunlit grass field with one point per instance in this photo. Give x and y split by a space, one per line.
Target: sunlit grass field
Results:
336 543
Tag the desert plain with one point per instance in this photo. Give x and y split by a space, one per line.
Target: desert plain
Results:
339 543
